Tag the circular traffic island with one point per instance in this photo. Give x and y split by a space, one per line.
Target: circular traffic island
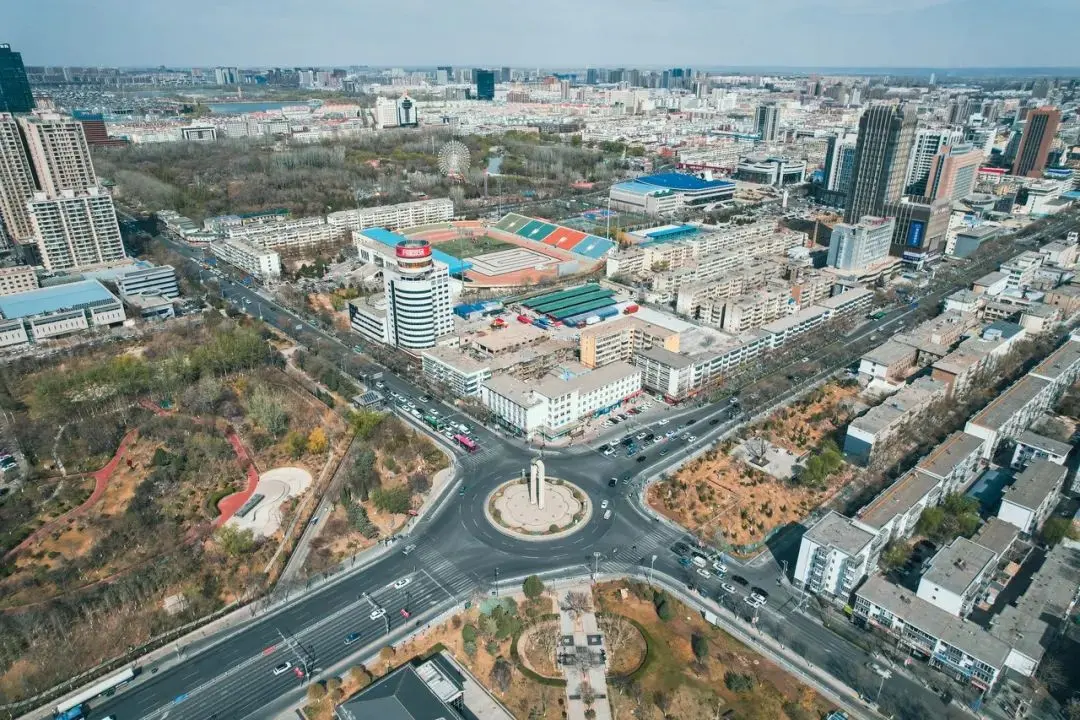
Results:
566 510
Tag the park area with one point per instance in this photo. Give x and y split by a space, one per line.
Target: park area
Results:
781 469
141 455
664 660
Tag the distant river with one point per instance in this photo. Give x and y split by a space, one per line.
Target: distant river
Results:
237 108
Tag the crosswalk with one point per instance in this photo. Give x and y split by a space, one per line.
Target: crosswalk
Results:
443 572
655 542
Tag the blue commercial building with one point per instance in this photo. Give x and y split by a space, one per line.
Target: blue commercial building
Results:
669 192
56 311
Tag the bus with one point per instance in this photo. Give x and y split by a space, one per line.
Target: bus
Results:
465 443
73 708
433 422
878 315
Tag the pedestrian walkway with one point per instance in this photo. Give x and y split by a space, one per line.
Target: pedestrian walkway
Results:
442 571
582 652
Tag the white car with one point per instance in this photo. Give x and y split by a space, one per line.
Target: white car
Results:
609 452
665 421
603 505
377 613
282 668
719 567
753 602
703 573
642 435
402 583
607 514
728 588
758 597
670 434
691 438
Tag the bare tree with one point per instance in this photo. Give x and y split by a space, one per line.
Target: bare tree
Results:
758 449
617 632
588 695
577 602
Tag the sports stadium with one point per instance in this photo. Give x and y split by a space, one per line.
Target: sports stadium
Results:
517 250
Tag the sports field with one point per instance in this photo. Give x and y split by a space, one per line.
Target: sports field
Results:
471 246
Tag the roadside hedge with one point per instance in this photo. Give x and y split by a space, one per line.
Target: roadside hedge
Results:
650 643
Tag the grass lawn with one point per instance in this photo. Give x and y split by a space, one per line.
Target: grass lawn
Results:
473 246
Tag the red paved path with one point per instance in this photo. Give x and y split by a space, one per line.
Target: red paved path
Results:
231 503
101 482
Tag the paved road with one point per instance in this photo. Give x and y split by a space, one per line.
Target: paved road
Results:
457 554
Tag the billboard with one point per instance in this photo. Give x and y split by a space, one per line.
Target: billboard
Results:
915 233
412 250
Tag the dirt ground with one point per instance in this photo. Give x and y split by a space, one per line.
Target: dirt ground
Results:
688 689
720 497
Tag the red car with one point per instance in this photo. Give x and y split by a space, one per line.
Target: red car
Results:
405 613
412 512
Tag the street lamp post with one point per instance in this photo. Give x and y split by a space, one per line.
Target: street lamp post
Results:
652 561
496 582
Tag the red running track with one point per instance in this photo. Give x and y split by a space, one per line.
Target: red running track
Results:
229 504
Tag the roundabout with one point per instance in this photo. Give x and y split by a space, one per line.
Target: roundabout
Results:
512 509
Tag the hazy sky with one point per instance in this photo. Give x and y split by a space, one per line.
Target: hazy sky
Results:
550 33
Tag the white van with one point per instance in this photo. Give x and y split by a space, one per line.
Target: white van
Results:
699 561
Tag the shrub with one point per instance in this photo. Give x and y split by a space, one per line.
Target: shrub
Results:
738 682
533 587
492 648
468 633
394 500
700 645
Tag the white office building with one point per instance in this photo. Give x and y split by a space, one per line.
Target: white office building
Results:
856 247
928 143
554 407
415 308
256 260
400 215
290 235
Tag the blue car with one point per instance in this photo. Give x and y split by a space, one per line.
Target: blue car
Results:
351 638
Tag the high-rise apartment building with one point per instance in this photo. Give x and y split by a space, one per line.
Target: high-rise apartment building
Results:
16 182
76 228
840 163
58 151
485 84
928 143
1038 135
958 110
886 133
953 173
15 95
767 122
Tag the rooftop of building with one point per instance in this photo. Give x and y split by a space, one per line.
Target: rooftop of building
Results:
422 692
624 323
43 301
682 181
890 352
997 535
1060 361
1069 290
840 533
1002 408
938 623
980 232
853 295
512 335
588 381
956 448
788 322
963 295
391 240
913 396
1050 445
958 565
1042 310
666 357
513 389
990 278
456 358
1031 487
1034 620
897 499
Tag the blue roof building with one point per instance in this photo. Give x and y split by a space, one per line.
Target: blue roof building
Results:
666 193
51 312
391 239
59 298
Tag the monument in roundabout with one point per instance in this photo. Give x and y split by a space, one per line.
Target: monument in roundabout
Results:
536 507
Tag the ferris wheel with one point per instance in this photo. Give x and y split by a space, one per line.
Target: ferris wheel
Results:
454 159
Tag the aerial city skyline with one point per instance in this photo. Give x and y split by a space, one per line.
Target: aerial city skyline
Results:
646 359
